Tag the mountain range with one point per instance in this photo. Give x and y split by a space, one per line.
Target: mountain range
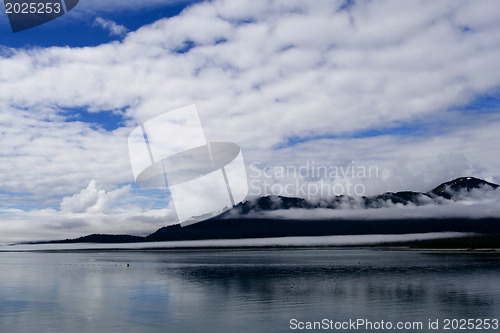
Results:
238 222
452 190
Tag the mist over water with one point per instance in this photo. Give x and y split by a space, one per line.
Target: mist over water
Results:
244 291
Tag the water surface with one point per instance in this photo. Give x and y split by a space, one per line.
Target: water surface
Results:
239 291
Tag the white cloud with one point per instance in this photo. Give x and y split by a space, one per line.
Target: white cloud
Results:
91 199
113 28
92 210
54 158
261 73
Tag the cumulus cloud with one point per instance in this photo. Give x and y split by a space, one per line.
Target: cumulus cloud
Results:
289 81
113 28
92 210
91 199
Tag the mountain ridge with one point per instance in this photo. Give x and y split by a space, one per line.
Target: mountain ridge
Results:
448 190
235 224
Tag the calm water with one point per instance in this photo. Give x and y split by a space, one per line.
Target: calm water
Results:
239 291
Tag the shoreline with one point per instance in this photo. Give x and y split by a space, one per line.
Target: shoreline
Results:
265 248
428 242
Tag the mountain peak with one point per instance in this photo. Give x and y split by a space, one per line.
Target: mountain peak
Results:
446 190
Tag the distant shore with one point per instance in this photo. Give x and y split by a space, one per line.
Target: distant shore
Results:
410 242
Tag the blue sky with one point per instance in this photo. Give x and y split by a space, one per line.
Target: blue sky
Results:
78 28
412 88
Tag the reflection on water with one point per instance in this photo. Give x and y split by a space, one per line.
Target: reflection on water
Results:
246 291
